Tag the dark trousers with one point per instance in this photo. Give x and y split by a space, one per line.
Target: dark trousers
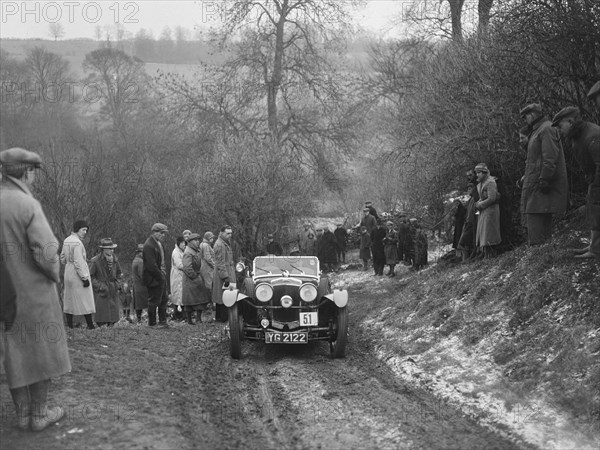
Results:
157 302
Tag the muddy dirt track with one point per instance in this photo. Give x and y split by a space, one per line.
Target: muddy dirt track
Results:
135 387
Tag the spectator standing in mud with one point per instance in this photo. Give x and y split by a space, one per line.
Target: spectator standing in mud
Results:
365 247
378 248
207 254
460 214
310 245
319 244
155 275
584 139
29 255
195 295
523 141
409 253
176 278
402 234
368 220
328 250
224 271
140 292
488 225
341 235
126 297
466 244
545 187
273 247
420 252
372 210
106 274
78 296
391 248
303 239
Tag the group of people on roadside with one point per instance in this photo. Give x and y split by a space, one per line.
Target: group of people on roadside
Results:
544 186
389 244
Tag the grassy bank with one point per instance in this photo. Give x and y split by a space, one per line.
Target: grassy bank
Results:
521 330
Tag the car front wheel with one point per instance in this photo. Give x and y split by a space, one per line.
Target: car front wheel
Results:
236 325
340 334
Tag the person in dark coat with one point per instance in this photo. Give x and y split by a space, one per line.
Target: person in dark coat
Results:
105 272
409 243
155 275
365 247
420 258
341 235
273 247
140 291
328 250
584 139
377 248
195 296
459 221
545 187
224 274
372 210
402 234
368 221
390 249
467 242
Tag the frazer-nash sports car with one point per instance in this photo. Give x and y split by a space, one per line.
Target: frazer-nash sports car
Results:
286 300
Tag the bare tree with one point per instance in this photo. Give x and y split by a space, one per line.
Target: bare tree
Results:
56 30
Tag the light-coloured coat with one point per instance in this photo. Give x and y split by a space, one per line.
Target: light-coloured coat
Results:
77 300
488 224
224 268
194 290
35 349
176 276
207 270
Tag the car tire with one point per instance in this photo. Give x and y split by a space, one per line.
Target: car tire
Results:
236 325
247 287
340 325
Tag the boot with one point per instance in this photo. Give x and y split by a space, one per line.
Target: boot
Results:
138 314
151 316
69 320
199 316
20 398
89 321
42 414
188 315
392 270
162 317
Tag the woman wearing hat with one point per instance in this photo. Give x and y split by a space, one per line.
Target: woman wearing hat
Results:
195 293
78 297
488 225
177 276
106 274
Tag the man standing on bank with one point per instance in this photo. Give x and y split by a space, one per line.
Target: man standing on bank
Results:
585 145
224 271
30 254
155 275
545 187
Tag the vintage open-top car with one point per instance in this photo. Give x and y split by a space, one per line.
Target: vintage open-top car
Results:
286 300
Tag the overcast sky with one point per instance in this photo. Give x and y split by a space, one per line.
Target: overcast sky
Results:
31 19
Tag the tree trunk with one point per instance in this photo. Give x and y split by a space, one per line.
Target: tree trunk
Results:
484 7
275 81
456 17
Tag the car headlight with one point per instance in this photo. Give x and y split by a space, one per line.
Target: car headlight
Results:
263 292
239 267
308 292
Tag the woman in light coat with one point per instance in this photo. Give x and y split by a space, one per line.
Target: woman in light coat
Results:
207 270
177 275
78 297
488 225
195 294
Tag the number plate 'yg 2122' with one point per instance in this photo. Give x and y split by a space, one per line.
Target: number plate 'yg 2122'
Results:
286 338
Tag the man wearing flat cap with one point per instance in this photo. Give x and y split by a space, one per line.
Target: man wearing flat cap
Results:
30 255
341 236
545 186
155 274
584 140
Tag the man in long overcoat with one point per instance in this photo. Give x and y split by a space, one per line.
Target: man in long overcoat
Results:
488 226
377 248
35 348
106 275
467 241
341 235
195 295
155 275
584 138
140 291
545 185
207 254
224 271
327 250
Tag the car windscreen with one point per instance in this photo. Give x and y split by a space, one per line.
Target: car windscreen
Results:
278 265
